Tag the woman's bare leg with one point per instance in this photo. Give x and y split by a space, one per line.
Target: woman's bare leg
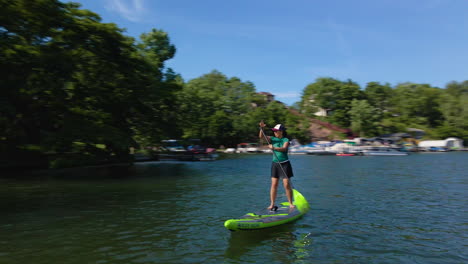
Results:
289 192
273 192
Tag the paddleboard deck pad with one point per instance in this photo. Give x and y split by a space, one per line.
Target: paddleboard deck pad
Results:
269 218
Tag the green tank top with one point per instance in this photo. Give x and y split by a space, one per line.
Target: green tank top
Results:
278 143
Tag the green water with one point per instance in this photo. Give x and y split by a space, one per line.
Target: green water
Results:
363 210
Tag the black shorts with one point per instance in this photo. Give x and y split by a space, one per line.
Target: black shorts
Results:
277 172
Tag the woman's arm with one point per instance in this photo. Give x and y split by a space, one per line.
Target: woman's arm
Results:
260 133
284 148
260 136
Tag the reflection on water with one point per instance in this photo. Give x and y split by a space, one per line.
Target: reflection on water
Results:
363 210
242 242
282 242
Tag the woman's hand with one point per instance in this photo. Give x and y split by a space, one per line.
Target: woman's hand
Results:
261 124
270 146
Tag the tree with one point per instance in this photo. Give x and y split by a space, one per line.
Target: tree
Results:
363 118
211 104
26 31
379 96
156 116
454 108
69 78
457 88
319 94
333 95
417 104
298 127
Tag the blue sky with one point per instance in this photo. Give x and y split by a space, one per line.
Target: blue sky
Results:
282 46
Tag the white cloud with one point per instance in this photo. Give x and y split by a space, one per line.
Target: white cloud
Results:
132 10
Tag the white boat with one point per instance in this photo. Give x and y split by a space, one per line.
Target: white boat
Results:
298 150
248 148
382 151
230 150
320 151
344 148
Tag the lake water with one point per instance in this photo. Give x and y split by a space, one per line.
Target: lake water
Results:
409 209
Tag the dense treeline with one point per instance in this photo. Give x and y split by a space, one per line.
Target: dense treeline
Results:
73 84
381 109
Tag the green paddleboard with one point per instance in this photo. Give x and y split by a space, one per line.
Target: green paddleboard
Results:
267 218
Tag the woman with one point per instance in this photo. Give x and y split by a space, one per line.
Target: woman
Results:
281 167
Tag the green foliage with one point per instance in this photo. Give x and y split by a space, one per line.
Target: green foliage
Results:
454 108
362 118
457 88
333 95
417 104
379 96
69 77
445 131
298 127
156 48
209 107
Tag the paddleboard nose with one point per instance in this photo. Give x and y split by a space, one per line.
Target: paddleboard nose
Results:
230 224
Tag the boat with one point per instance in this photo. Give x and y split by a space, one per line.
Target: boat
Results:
269 218
382 151
297 150
172 145
345 154
319 152
248 148
173 149
346 148
320 148
230 150
437 149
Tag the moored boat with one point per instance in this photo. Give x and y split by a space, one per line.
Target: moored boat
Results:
345 154
382 151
